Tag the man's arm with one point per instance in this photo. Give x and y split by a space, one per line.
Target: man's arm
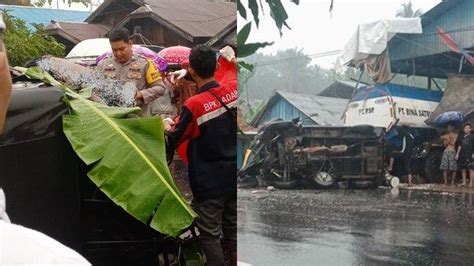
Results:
180 133
155 85
457 153
5 89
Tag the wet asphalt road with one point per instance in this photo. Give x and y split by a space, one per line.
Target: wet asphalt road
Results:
355 227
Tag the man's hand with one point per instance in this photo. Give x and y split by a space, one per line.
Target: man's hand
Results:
168 123
177 75
228 53
139 96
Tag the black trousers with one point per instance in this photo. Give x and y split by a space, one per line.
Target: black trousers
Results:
217 218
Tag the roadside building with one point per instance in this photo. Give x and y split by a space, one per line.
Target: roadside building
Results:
311 109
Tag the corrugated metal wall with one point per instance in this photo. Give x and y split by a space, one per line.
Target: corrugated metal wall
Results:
457 21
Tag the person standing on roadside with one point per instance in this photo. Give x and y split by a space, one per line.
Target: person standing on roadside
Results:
448 162
408 143
464 155
208 120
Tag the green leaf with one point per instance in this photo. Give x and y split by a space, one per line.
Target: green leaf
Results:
253 6
241 9
246 65
24 44
244 33
86 92
278 13
247 49
128 158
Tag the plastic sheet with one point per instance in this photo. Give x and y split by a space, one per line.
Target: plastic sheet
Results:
107 91
29 119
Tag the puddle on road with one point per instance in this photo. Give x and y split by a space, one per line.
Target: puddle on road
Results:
355 226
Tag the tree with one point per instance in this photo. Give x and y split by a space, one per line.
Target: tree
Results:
278 14
407 11
288 70
24 44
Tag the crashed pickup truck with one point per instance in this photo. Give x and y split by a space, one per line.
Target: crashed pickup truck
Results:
47 188
287 154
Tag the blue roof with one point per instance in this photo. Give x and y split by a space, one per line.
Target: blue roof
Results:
381 90
288 105
45 15
453 16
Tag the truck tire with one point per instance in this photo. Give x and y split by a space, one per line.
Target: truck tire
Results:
247 182
432 172
285 184
324 180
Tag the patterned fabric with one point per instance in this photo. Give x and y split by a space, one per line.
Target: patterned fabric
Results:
447 161
471 165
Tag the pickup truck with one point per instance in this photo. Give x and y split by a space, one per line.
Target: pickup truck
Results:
47 188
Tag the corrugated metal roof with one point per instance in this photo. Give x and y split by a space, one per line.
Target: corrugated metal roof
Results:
321 110
45 15
340 89
454 16
199 18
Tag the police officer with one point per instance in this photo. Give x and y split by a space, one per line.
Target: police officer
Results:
125 65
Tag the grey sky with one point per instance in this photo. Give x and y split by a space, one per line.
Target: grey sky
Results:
316 31
74 6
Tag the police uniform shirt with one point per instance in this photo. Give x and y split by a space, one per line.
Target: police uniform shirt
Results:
140 70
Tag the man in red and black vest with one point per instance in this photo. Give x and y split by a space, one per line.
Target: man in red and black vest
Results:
208 122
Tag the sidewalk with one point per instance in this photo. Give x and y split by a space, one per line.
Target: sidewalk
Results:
438 188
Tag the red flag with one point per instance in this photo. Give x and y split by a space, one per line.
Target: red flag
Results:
447 39
451 43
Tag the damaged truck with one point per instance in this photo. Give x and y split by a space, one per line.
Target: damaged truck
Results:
288 154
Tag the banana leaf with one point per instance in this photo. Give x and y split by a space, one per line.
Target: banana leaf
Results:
128 159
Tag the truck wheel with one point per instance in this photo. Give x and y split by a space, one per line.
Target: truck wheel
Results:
285 184
247 182
324 180
432 172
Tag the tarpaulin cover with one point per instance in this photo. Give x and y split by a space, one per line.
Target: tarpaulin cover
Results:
33 113
368 46
458 97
